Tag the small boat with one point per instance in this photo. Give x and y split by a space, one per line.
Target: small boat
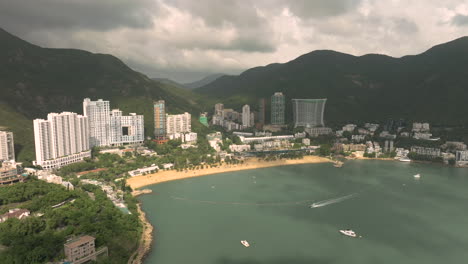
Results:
404 159
245 243
348 232
338 164
417 176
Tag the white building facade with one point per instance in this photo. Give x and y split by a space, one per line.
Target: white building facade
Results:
7 146
98 113
60 140
111 128
126 129
179 123
246 116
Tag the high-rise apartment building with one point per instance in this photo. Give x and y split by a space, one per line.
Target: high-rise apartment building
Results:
278 109
178 123
126 129
111 128
159 120
246 116
7 146
98 113
308 112
261 111
60 140
219 109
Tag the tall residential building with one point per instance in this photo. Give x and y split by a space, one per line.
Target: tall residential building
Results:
219 109
278 109
261 111
60 140
126 129
246 116
159 120
7 146
107 128
98 113
308 112
179 123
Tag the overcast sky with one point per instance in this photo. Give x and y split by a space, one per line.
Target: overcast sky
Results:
188 39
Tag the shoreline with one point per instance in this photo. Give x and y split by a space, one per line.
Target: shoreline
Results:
250 164
146 240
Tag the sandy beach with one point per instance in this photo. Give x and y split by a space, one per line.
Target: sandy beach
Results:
249 164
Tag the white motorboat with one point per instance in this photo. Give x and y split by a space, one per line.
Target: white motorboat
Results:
404 159
348 232
245 243
417 176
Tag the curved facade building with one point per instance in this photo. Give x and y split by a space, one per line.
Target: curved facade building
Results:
308 112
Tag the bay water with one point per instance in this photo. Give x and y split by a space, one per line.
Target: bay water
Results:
401 219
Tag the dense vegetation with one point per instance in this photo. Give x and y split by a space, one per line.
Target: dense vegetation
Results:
35 81
39 239
430 87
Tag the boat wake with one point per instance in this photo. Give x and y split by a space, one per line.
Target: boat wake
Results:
332 201
292 203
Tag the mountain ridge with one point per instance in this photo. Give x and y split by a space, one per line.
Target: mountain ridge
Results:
368 87
35 81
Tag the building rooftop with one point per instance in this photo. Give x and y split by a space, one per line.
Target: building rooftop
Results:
79 241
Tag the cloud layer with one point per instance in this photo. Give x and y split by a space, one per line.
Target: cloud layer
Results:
185 39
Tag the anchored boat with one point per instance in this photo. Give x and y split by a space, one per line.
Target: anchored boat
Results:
348 232
245 243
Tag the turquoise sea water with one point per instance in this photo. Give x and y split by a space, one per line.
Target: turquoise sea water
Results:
401 220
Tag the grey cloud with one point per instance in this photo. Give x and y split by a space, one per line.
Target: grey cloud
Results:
255 34
217 13
318 9
405 26
100 15
460 20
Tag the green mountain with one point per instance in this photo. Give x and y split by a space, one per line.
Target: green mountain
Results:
205 81
35 81
432 86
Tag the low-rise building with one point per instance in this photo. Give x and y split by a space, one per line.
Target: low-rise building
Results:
454 146
244 134
349 127
431 152
387 135
421 135
82 249
318 131
358 138
401 153
9 172
239 148
187 146
461 158
15 213
363 131
265 139
421 127
306 141
353 147
371 127
405 134
300 135
263 134
190 138
145 170
168 166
